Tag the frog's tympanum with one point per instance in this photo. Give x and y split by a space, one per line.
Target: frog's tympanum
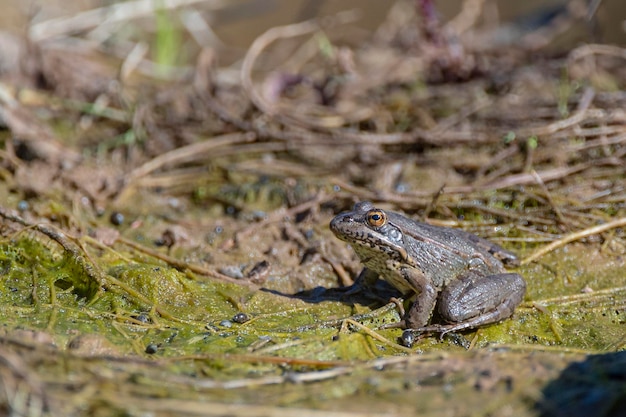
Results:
457 272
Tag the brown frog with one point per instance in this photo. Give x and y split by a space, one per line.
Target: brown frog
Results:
461 274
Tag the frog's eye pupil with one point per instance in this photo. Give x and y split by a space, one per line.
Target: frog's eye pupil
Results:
376 218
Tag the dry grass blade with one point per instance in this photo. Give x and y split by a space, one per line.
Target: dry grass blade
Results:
196 152
377 336
273 34
605 297
119 12
575 119
596 49
621 222
182 265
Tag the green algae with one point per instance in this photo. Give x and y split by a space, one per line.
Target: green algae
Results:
569 304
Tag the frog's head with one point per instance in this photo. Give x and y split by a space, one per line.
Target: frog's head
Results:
370 232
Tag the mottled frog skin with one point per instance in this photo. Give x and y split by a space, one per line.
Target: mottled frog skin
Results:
460 274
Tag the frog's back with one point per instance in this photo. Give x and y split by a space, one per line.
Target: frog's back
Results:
442 251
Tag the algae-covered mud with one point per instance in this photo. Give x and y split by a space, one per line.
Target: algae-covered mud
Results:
165 199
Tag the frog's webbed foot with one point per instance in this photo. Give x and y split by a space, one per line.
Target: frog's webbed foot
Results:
410 336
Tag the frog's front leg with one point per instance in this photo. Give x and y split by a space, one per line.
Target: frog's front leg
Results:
475 300
413 283
423 305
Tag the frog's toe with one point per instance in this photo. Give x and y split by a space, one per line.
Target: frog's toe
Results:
433 328
441 329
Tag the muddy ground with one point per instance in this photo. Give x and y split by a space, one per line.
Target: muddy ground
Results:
166 195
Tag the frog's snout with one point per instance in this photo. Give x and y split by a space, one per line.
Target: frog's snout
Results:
338 224
334 224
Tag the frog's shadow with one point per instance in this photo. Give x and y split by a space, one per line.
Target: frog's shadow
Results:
593 387
379 292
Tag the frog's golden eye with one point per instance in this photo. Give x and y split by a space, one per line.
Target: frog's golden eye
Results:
376 218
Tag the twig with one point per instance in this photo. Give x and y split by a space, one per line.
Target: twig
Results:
281 214
81 257
77 254
433 202
340 271
523 178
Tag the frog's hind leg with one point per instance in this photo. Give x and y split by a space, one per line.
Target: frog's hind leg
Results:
474 300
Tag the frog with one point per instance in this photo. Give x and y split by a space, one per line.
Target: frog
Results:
456 274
